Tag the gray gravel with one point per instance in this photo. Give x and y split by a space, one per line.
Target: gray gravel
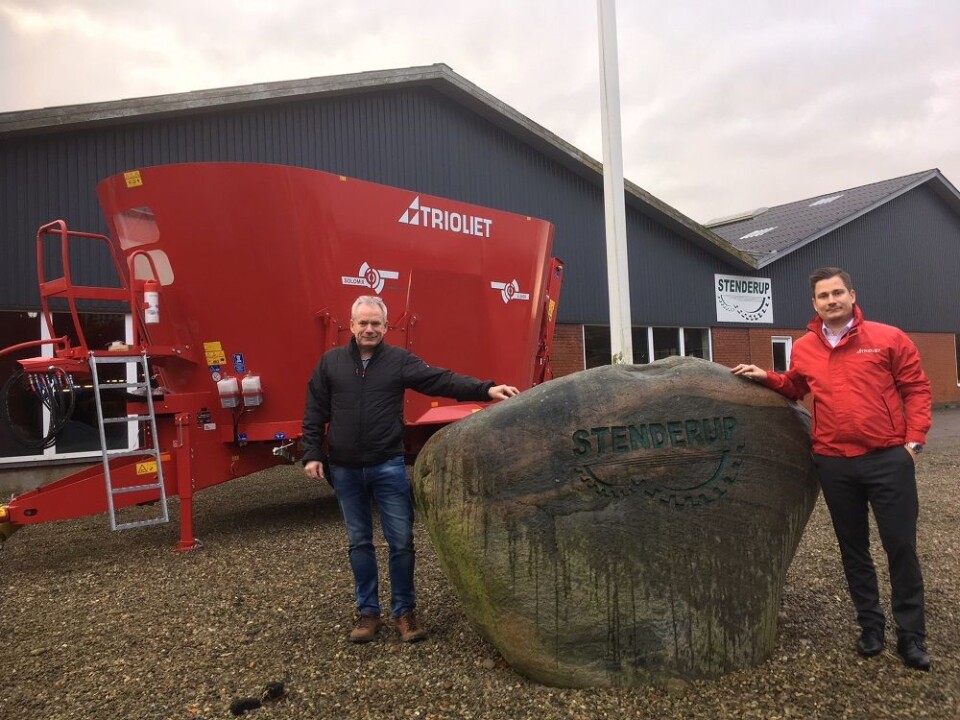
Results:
114 625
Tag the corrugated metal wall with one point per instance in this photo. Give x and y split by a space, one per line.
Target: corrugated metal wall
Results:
414 138
904 258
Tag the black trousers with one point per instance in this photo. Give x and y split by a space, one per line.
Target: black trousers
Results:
884 479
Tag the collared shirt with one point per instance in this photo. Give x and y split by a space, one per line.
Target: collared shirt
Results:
834 338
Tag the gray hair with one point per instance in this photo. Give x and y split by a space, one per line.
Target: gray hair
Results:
369 300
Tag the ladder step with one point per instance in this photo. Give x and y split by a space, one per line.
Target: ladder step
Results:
111 386
115 359
146 394
140 523
127 419
134 488
146 452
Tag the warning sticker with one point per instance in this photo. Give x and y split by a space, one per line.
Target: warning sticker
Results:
133 179
214 353
149 467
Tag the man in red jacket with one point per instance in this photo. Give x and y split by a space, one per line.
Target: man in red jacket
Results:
871 414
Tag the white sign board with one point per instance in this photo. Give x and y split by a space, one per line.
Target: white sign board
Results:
743 299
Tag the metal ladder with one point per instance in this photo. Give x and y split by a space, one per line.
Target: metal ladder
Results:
153 451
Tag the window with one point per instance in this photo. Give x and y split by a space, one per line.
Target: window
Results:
957 355
81 437
666 342
641 345
781 352
15 328
135 227
596 344
696 343
81 433
647 341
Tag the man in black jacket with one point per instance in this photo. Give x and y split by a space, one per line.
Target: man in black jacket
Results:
357 392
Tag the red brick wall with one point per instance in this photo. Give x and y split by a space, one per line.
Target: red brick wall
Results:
567 355
938 352
732 346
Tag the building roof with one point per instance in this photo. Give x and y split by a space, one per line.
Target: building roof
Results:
767 234
438 76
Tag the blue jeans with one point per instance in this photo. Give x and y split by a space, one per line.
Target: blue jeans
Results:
357 488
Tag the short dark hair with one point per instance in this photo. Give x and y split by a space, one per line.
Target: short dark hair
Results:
827 273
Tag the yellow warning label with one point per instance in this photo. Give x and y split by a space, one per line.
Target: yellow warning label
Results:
133 178
214 353
550 307
149 467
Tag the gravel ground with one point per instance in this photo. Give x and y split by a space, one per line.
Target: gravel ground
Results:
114 625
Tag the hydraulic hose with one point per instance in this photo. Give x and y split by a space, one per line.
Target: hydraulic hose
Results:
56 392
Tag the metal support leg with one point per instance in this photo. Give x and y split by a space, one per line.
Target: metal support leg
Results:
185 482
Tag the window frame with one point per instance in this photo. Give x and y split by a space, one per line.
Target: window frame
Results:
648 330
956 355
787 341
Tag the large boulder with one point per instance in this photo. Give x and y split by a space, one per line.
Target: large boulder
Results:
623 525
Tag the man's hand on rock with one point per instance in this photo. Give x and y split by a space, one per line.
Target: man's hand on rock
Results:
502 392
751 372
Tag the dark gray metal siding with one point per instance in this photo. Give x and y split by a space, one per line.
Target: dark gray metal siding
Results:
904 258
671 280
414 138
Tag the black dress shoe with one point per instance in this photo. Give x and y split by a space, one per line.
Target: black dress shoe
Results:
913 653
870 642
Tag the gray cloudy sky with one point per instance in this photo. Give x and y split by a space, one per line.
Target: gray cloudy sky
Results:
727 105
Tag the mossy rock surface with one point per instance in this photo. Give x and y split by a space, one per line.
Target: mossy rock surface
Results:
623 525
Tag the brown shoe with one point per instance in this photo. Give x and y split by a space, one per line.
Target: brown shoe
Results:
365 628
410 630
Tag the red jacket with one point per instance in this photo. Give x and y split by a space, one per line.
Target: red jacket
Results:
869 392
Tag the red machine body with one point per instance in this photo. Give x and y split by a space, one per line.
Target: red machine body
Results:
248 272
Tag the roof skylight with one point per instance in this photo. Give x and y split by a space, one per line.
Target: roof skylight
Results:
758 233
825 200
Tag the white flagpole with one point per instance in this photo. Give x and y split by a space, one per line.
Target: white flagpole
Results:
618 278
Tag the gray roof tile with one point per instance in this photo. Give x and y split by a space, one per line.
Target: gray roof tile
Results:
776 231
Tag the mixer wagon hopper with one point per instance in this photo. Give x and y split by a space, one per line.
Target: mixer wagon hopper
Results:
236 278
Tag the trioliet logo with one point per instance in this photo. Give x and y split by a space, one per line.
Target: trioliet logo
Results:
449 220
683 462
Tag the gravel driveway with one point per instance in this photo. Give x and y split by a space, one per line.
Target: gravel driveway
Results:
114 625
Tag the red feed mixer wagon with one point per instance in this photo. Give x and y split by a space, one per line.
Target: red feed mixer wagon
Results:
237 277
